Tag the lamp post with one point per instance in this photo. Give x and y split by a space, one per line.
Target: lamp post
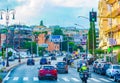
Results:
86 35
7 13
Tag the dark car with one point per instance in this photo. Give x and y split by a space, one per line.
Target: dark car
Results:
47 71
117 77
53 58
62 67
30 61
43 61
103 68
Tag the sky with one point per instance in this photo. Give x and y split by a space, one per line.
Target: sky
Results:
53 12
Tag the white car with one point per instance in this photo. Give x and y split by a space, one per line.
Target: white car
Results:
112 70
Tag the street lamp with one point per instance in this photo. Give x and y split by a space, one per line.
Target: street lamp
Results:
92 33
7 13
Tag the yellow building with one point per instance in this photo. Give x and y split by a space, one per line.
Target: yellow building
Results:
109 24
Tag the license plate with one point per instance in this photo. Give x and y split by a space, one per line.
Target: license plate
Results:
85 75
48 74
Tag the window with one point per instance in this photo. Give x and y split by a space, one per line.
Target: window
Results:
109 8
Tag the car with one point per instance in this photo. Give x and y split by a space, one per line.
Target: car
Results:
103 68
47 71
43 61
53 58
111 71
117 77
11 58
62 67
94 65
30 61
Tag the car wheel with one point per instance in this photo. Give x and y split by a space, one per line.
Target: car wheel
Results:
55 78
40 78
67 71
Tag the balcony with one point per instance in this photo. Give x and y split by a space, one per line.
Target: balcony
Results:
110 1
114 13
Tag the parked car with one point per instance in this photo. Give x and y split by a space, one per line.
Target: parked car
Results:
30 61
43 61
53 58
117 77
11 58
47 71
62 67
94 65
103 68
99 66
111 71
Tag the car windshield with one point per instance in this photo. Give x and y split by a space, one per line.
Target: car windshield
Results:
48 67
116 67
61 63
107 65
43 59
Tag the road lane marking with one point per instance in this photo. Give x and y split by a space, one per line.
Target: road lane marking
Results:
58 80
95 80
65 79
7 78
35 78
75 79
15 78
25 78
104 80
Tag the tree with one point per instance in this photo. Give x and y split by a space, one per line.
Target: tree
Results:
41 50
27 45
57 31
10 53
41 23
90 37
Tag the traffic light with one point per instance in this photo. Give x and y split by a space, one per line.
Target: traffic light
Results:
93 16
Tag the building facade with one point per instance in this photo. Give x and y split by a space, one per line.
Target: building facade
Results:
109 25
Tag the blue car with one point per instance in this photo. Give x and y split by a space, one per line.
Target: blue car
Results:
43 61
30 61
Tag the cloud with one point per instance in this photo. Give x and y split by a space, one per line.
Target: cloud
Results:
76 3
28 11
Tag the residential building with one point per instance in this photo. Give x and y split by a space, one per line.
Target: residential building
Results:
109 26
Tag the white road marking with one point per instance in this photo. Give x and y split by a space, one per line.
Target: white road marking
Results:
58 80
104 80
35 78
6 78
65 79
75 79
15 78
25 78
95 80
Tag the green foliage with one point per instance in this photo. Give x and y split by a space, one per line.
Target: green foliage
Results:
57 31
0 53
28 45
90 37
10 53
41 23
0 79
118 57
99 51
41 50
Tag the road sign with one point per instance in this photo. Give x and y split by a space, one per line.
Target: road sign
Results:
56 38
43 45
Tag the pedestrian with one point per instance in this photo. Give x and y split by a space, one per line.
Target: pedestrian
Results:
3 63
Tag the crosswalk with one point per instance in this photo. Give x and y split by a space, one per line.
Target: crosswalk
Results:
96 80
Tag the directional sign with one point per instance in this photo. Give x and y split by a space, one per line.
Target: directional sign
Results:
56 38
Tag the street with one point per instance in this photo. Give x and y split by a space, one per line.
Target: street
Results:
29 74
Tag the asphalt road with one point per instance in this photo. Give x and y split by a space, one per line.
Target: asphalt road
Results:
29 74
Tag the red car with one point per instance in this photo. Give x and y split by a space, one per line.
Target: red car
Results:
47 71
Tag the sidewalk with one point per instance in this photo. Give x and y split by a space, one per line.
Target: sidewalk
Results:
14 63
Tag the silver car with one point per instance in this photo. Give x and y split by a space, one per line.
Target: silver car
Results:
111 71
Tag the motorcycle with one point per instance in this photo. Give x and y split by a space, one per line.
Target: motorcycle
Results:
84 76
